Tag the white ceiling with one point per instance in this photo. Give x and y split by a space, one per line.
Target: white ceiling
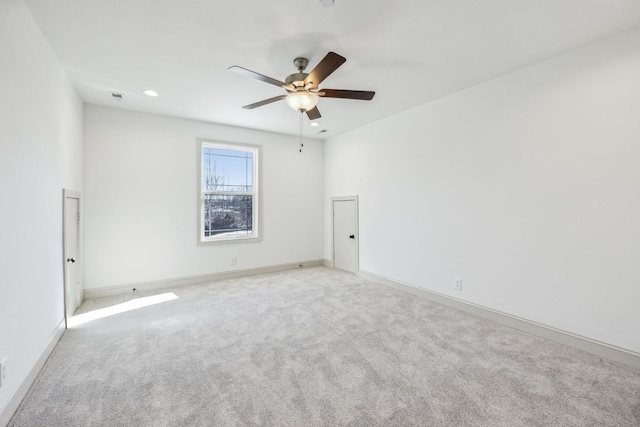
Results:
409 52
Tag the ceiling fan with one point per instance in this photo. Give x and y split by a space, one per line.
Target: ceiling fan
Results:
302 88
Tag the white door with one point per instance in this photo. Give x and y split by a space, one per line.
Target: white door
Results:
345 234
71 252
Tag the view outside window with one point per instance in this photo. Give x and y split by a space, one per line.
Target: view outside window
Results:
228 192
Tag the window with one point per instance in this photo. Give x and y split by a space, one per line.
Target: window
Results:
228 192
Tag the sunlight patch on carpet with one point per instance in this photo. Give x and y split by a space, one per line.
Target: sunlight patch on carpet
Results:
120 308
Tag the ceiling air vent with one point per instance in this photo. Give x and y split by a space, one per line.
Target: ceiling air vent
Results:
117 96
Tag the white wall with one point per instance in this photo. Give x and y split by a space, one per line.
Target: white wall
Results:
141 199
40 154
527 187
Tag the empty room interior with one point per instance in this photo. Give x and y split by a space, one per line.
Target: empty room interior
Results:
334 212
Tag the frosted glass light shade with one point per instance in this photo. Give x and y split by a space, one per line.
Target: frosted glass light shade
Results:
302 101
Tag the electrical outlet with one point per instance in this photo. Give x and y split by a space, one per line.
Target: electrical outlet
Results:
234 260
3 370
457 283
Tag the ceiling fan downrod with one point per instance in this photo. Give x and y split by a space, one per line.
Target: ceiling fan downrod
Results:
301 64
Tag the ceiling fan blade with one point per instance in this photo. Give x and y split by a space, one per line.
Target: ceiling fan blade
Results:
328 65
313 114
363 95
257 76
265 102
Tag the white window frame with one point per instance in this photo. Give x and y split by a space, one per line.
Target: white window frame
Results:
256 234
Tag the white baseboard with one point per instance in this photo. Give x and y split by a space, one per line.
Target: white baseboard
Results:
598 348
328 263
22 387
194 280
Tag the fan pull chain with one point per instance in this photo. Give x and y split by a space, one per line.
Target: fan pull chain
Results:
301 140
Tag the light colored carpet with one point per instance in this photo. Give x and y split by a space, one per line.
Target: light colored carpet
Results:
317 347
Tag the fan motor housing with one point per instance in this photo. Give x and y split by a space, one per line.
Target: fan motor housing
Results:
296 77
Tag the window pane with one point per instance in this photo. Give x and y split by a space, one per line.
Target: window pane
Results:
229 191
227 215
227 170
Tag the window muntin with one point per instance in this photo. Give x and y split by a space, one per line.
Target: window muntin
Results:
228 192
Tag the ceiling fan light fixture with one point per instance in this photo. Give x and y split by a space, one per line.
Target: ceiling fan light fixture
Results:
302 91
302 101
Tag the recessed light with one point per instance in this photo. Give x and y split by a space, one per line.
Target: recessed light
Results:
314 124
150 92
326 3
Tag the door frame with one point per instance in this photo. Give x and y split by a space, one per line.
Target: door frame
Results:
70 194
357 232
